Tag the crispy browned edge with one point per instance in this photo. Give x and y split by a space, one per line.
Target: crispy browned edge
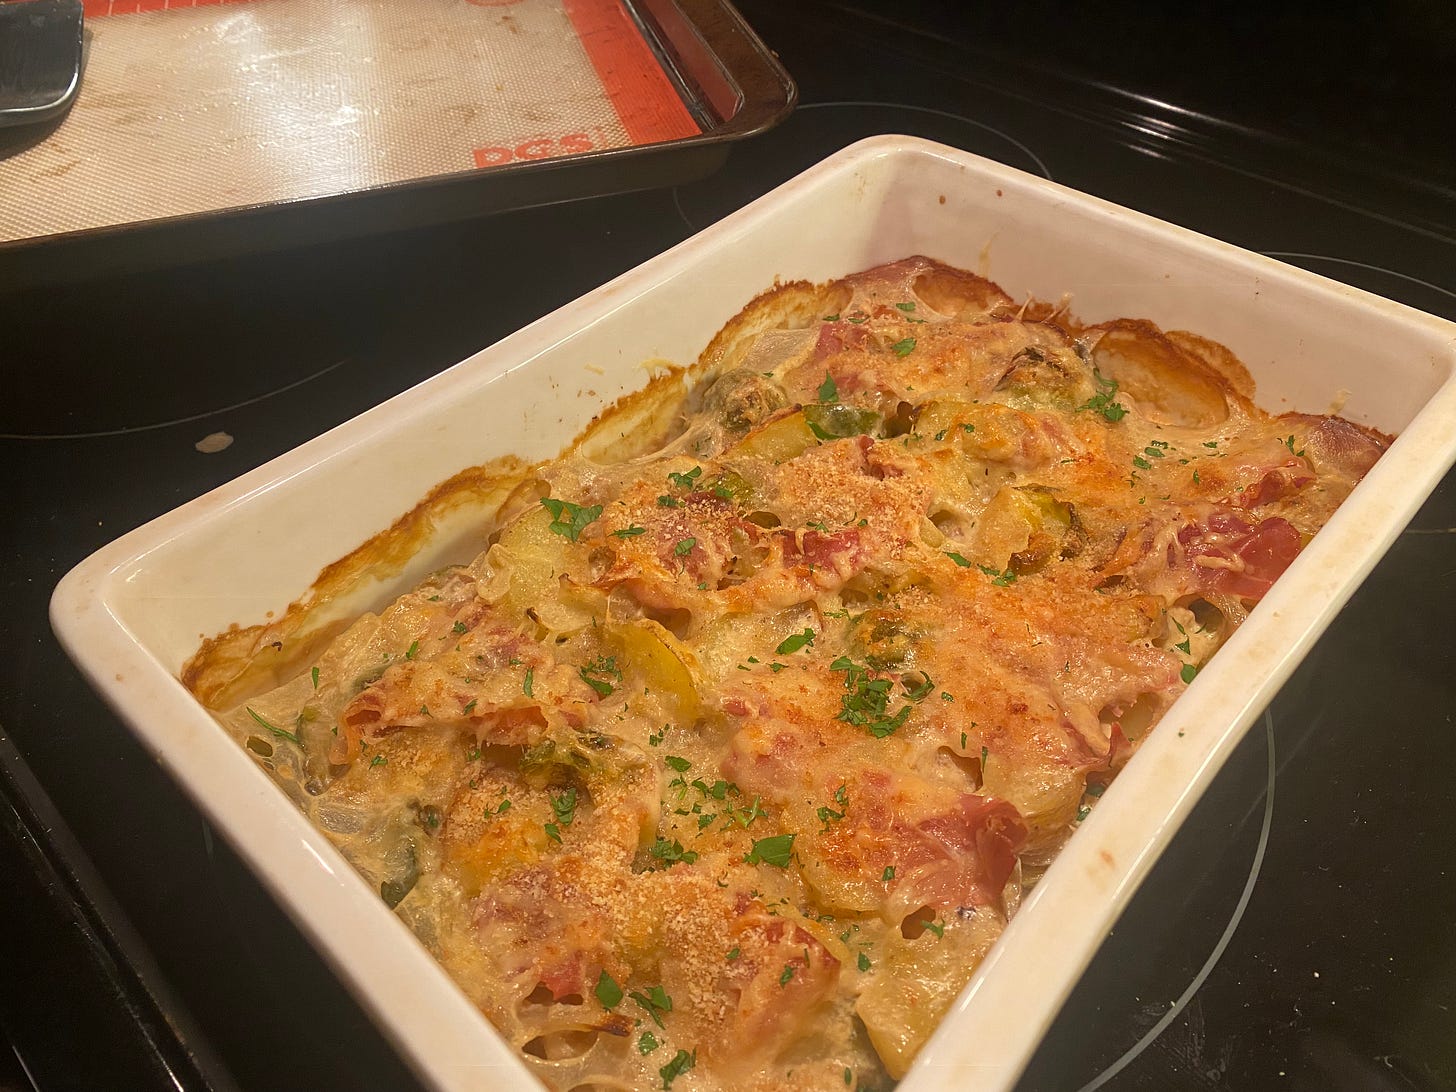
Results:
231 664
242 661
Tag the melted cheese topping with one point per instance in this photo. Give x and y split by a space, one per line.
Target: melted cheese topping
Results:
723 766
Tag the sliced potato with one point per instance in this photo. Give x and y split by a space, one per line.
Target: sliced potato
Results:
666 665
778 441
915 982
1170 386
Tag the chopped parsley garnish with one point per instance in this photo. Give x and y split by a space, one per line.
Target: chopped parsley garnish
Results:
314 674
958 559
565 807
866 701
669 853
941 434
553 832
459 627
1141 463
281 733
787 974
888 874
469 707
504 806
831 318
409 653
647 1043
999 579
680 1064
655 738
685 481
1188 673
567 519
1289 443
920 691
745 816
378 760
1082 812
795 641
677 763
904 347
596 673
1103 401
775 851
905 306
608 992
666 501
829 815
734 954
864 962
654 1001
684 547
629 532
985 756
718 790
828 390
935 927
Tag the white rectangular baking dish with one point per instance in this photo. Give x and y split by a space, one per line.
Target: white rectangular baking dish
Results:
133 612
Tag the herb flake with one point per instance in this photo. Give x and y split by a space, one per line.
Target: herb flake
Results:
795 641
775 850
567 519
608 992
281 733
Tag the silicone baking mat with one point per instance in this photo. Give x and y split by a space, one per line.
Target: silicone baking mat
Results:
194 106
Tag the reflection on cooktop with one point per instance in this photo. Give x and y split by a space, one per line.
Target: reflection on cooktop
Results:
1373 278
818 129
73 421
1159 955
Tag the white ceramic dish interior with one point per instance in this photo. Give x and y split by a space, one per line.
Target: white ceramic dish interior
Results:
134 611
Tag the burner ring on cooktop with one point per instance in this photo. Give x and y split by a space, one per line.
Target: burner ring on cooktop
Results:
1177 1007
818 129
153 425
1390 283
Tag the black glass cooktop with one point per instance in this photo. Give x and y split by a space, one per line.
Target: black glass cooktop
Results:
1300 933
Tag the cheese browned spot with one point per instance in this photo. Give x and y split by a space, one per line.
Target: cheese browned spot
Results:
742 751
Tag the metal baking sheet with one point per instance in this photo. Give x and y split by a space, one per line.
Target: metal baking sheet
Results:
192 108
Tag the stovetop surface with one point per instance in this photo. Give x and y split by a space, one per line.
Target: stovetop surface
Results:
1301 931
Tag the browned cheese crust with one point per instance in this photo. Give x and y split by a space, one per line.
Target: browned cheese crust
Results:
728 758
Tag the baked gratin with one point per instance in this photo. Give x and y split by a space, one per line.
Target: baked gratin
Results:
731 754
